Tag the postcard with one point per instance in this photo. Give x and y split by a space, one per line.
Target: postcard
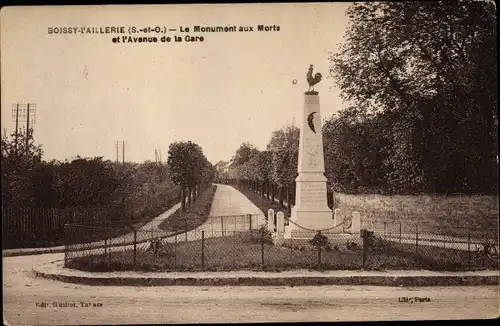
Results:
215 163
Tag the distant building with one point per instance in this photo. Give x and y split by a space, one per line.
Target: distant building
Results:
225 170
229 166
220 165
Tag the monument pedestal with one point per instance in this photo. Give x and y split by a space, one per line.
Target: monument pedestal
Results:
311 211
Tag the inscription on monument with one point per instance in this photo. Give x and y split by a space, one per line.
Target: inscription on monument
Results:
312 146
313 194
312 150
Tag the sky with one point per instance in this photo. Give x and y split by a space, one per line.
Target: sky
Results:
230 88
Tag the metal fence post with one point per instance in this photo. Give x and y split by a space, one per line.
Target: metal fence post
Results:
262 248
222 225
175 251
105 245
319 253
135 247
109 252
109 246
202 249
399 232
468 245
416 239
364 235
66 245
105 240
234 249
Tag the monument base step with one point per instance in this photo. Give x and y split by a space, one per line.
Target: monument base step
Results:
339 240
298 233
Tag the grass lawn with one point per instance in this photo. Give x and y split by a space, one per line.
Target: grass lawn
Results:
244 250
427 257
194 216
453 215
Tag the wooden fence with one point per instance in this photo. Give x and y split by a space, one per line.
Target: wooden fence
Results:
26 226
38 221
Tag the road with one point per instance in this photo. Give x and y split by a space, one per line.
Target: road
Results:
230 211
186 304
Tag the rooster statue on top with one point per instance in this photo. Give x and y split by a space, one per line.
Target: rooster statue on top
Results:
312 80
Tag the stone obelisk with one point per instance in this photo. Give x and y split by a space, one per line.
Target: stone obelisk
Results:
311 209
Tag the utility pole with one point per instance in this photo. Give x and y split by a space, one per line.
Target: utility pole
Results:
28 115
118 151
15 118
27 128
160 166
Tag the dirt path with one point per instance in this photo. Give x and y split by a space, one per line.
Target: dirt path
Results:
195 304
230 211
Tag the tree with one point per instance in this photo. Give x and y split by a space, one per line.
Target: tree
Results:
284 145
20 159
264 169
423 68
257 170
208 174
244 153
186 163
354 162
243 172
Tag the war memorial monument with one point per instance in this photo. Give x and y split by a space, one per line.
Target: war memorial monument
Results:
311 209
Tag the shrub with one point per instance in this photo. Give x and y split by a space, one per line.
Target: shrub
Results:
319 240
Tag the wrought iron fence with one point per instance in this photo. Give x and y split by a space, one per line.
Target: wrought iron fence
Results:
209 250
255 248
415 226
433 251
83 240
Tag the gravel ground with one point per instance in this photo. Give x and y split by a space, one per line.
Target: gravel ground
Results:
194 304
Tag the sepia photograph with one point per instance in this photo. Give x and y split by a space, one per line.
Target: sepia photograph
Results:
243 163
